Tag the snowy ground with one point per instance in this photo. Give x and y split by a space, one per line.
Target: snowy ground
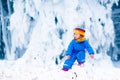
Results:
12 71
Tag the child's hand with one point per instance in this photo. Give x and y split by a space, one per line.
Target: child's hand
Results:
68 57
92 56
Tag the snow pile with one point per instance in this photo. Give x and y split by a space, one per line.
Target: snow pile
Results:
33 72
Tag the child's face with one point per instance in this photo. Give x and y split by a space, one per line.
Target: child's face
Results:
76 36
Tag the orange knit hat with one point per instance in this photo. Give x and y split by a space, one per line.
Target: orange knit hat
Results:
79 31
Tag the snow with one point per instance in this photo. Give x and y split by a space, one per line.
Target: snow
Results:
35 72
35 33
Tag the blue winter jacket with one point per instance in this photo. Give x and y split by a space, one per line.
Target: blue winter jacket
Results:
74 47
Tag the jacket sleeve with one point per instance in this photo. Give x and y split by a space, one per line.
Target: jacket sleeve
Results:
70 48
88 47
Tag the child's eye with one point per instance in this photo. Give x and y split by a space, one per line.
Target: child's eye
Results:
81 35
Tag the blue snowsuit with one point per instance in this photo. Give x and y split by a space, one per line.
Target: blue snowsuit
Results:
76 50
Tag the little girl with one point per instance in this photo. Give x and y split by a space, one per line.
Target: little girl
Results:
76 50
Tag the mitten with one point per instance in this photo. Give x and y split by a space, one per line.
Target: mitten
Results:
68 56
92 56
